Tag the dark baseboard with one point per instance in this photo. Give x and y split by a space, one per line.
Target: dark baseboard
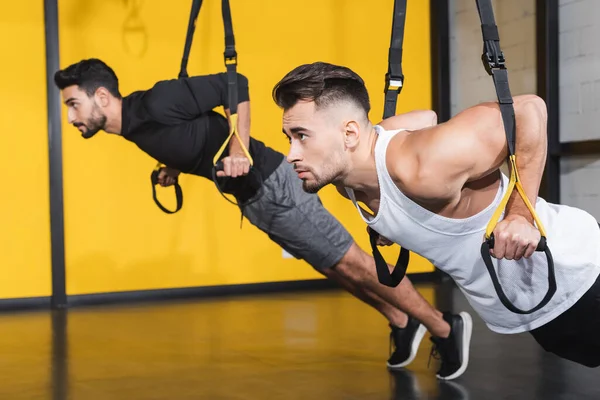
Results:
140 296
201 292
25 304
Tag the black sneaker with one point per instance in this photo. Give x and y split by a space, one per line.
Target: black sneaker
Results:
453 350
405 342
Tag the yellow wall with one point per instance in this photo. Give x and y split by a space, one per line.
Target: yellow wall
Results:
116 238
24 206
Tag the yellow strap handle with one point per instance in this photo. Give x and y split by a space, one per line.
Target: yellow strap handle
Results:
232 131
514 182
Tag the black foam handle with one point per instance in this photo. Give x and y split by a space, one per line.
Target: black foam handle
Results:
178 193
487 259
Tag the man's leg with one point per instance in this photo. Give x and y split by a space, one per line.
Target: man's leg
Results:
573 335
394 316
299 223
358 269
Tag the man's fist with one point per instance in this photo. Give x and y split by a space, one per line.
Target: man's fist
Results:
234 165
514 238
167 176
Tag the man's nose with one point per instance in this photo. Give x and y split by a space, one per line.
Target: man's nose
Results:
293 155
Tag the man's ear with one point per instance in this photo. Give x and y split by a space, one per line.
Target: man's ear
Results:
351 134
102 96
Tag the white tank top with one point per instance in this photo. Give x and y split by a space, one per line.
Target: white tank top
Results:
454 246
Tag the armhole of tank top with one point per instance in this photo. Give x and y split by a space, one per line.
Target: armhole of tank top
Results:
365 216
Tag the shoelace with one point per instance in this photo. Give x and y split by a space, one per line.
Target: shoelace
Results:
439 351
435 353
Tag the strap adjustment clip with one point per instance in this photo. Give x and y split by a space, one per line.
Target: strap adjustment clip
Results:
393 83
230 55
493 58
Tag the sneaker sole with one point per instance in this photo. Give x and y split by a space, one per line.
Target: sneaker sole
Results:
414 347
467 331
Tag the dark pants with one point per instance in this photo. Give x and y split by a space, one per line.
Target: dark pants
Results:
575 334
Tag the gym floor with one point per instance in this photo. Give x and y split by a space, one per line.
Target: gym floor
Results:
311 345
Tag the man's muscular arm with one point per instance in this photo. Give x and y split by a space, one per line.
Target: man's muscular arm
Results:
433 165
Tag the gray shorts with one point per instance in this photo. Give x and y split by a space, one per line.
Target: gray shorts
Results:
297 221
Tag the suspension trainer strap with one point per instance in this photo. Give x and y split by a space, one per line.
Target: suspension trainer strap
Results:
494 64
195 11
196 5
394 80
230 56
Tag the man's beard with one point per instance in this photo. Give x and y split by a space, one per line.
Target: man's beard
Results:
312 187
94 125
319 183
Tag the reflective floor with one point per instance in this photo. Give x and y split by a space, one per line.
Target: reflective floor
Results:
320 345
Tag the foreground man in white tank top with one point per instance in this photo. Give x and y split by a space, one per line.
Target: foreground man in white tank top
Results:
434 189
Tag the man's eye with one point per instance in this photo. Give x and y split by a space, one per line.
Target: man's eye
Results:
301 136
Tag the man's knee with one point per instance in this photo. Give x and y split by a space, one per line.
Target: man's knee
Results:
353 264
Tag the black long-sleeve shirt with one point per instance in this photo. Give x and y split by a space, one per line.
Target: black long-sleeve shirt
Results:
174 123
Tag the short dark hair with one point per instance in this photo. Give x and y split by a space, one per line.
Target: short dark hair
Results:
89 75
322 83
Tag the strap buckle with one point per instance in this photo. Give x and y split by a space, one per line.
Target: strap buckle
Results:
493 57
230 55
393 83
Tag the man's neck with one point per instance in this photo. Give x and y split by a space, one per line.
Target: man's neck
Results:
362 173
114 118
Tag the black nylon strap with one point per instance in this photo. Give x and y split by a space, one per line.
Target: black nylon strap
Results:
384 276
195 11
230 56
507 110
494 64
487 258
196 5
394 78
490 32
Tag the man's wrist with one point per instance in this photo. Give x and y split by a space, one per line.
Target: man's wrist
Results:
235 147
517 213
516 207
